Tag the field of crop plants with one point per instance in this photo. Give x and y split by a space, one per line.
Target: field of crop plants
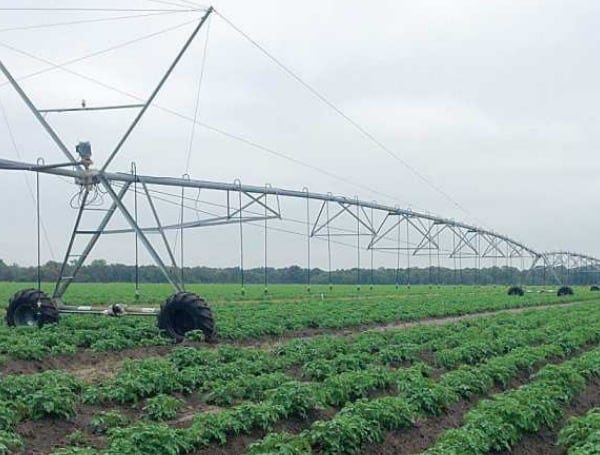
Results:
432 370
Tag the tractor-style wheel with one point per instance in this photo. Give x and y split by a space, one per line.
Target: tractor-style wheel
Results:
564 290
31 307
183 312
516 290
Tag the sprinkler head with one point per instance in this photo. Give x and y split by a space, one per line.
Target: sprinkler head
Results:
84 150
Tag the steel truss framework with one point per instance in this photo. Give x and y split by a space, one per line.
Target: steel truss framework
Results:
385 227
569 260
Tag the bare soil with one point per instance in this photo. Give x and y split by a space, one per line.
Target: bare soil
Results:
43 436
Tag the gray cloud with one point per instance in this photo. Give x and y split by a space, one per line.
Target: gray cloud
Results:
494 101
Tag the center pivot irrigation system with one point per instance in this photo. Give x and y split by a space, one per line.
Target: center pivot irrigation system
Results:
422 234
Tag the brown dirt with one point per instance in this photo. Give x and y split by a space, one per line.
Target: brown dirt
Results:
474 315
85 364
423 434
43 436
194 404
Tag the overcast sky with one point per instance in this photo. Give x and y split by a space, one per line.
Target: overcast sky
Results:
494 102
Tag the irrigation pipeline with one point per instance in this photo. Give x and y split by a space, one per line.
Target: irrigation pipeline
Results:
236 187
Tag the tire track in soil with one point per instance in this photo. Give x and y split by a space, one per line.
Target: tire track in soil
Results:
94 366
86 365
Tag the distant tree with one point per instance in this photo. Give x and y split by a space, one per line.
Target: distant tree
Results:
100 271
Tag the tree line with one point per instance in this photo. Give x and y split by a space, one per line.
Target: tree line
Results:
101 271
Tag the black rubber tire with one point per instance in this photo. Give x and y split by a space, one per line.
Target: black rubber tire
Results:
185 311
594 288
516 290
31 307
564 290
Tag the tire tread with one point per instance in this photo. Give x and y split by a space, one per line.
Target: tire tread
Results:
201 313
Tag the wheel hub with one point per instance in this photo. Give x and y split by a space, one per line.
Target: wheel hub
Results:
25 315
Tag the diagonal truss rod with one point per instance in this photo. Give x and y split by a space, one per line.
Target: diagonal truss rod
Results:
492 248
253 201
57 140
159 226
463 241
156 90
361 217
428 239
142 236
64 281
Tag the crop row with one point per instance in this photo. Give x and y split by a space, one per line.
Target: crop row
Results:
31 397
293 398
230 373
246 320
581 435
419 396
240 373
400 345
494 424
498 423
155 293
254 320
568 336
